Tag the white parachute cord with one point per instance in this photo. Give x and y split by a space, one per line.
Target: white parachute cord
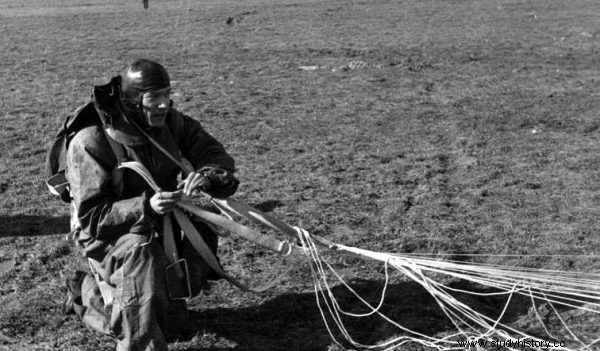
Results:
310 253
313 255
474 316
494 275
498 332
507 336
424 281
372 310
559 293
419 340
567 327
307 242
493 283
444 299
479 270
528 282
537 314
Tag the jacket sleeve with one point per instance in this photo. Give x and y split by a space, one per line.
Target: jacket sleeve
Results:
201 148
100 212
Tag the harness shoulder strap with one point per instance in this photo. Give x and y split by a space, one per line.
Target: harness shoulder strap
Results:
186 168
119 151
116 147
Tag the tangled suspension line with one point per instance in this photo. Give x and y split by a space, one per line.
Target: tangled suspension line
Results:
554 288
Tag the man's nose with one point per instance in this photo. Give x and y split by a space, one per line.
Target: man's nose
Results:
163 103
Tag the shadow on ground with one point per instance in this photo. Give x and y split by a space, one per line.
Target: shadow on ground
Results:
293 321
23 225
267 206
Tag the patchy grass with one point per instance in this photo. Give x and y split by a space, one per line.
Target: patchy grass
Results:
472 129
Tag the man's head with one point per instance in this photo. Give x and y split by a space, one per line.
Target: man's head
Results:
145 92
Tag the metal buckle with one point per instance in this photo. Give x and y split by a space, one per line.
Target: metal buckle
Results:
179 270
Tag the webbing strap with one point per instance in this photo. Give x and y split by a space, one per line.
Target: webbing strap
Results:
193 234
198 242
265 241
202 248
255 215
169 243
271 243
184 167
119 152
115 146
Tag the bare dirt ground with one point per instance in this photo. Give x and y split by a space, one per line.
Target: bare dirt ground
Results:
470 127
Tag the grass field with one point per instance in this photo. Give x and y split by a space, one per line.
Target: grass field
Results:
472 128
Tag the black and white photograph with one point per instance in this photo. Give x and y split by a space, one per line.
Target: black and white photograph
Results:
300 175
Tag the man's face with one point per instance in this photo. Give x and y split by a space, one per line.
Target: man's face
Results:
155 105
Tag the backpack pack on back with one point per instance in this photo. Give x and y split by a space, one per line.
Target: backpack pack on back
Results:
56 157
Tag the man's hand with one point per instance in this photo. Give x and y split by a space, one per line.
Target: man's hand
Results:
164 201
216 182
193 182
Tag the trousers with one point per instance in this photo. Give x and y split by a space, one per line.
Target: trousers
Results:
142 314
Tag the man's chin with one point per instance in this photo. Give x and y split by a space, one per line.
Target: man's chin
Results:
156 122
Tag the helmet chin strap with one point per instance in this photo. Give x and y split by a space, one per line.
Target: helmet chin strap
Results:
136 113
142 114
